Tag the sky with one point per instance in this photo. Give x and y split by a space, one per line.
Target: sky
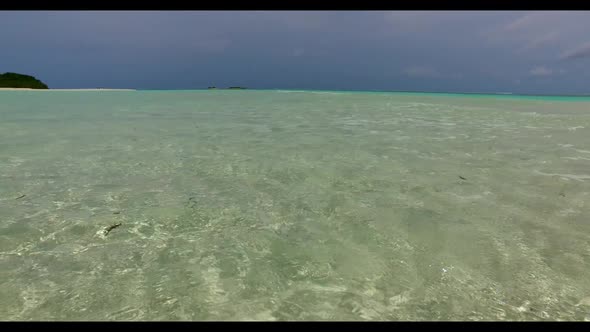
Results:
546 52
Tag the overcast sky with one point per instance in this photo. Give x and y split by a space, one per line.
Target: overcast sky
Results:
506 51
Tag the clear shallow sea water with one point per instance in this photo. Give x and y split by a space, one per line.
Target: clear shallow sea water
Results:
283 205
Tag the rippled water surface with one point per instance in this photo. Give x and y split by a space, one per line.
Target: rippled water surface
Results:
278 205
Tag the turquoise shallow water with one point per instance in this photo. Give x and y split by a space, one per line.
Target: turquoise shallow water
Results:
286 205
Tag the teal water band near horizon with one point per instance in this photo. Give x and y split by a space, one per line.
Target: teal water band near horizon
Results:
578 98
583 98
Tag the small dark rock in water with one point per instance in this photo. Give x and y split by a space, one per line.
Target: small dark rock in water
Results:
462 178
110 228
116 212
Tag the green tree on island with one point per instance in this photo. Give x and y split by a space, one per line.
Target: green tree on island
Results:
14 80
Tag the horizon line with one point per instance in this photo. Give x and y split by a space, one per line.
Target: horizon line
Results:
507 94
383 91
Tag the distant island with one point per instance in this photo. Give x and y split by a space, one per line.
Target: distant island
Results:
230 88
20 81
